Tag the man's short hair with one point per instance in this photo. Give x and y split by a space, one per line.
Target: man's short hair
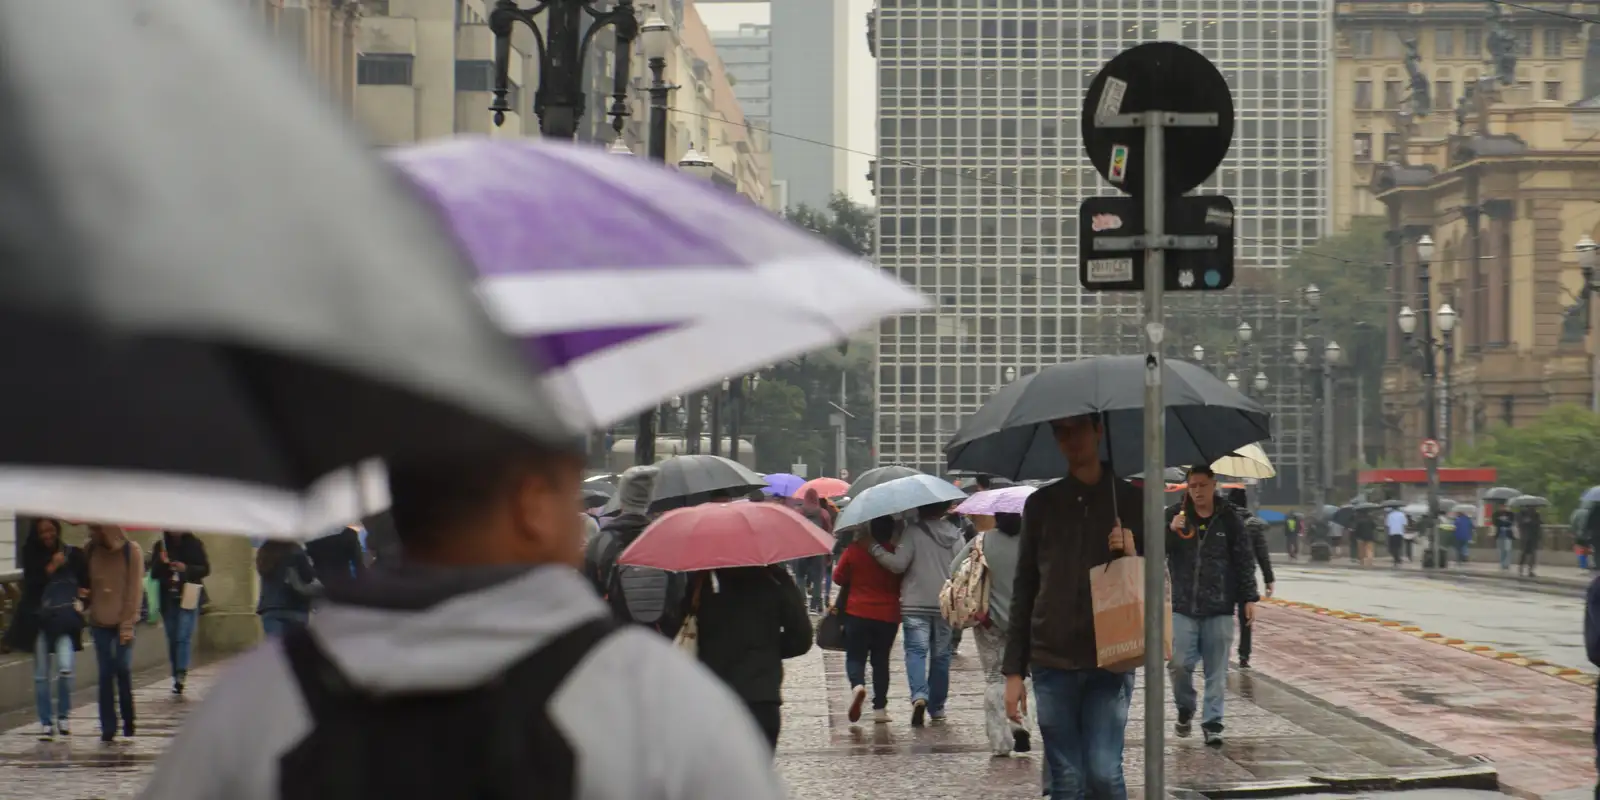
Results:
431 496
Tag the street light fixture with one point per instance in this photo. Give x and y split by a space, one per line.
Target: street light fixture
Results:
1425 248
1301 352
1445 318
1313 297
696 163
1261 381
619 147
1408 320
656 37
1199 353
1245 333
1333 354
562 46
1233 381
1011 374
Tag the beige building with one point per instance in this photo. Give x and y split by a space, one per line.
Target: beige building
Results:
1505 201
1372 82
323 32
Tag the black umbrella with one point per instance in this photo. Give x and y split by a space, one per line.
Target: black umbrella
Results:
877 475
1501 494
597 493
1169 475
1010 435
971 486
213 298
688 480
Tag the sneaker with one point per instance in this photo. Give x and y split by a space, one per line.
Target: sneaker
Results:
919 709
1244 663
1021 741
936 719
858 696
1184 724
880 716
61 727
47 732
177 687
1213 733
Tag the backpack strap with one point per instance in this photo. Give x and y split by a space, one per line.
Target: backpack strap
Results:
323 687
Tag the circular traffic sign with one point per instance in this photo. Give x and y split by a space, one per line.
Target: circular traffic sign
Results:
1158 76
1430 448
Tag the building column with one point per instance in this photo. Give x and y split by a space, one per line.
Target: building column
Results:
229 624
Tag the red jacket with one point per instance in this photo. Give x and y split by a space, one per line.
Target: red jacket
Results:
874 591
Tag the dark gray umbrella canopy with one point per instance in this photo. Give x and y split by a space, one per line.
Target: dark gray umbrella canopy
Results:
879 475
1010 435
207 274
1502 493
688 480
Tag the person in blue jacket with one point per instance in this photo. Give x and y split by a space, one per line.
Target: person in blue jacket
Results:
1591 643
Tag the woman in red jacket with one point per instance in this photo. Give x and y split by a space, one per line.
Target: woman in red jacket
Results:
871 617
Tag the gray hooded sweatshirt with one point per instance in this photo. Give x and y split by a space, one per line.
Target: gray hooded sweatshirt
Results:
923 557
647 722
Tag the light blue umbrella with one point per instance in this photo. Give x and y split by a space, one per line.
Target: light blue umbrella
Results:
896 496
1591 496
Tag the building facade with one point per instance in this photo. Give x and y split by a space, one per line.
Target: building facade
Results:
323 33
747 55
1375 81
979 175
810 81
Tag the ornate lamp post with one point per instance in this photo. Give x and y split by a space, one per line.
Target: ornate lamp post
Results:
1429 346
737 410
1587 257
562 44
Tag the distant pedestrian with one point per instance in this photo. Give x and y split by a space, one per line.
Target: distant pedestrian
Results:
1000 545
338 557
1292 528
48 622
1463 534
1395 522
750 619
637 595
1257 530
480 665
810 572
116 589
923 553
1504 521
1365 535
1206 540
288 586
179 566
1069 528
871 616
1530 529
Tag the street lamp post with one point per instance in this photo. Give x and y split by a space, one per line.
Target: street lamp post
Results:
1586 259
1245 333
717 394
562 44
657 35
1408 320
737 411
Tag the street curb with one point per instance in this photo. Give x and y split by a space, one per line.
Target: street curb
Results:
1478 778
1435 575
1537 665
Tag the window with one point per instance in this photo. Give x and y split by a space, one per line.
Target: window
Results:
1524 38
1361 42
1444 43
1363 147
1391 94
1391 147
1444 94
1390 44
384 69
1363 94
1554 38
474 76
1472 42
1552 90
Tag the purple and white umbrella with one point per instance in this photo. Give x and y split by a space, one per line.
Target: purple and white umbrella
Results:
629 282
1008 500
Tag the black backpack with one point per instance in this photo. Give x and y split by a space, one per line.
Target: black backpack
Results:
641 595
493 742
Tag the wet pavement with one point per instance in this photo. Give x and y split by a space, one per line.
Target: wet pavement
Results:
1484 568
1536 730
1273 734
1506 616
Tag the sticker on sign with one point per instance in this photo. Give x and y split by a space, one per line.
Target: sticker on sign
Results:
1111 99
1110 270
1119 163
1106 222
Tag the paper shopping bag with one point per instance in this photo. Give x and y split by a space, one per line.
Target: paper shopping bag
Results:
191 597
1117 590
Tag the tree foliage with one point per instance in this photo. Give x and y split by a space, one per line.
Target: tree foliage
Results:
844 222
1557 456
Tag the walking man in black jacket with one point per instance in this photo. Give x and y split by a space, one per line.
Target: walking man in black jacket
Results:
1212 568
1257 528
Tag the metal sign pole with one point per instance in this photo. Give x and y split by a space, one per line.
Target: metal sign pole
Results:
1155 441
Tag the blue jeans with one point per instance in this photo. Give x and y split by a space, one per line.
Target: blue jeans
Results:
1083 717
60 679
1195 641
180 624
115 660
927 646
1505 543
275 624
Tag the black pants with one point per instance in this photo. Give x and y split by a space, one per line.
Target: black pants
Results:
1244 636
1528 559
1292 541
864 640
1396 543
769 718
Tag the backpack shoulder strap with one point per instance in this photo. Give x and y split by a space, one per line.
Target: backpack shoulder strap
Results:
322 687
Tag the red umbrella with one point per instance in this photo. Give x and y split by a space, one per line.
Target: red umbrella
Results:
826 487
725 535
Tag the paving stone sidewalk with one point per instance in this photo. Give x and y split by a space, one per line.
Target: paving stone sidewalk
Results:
1551 577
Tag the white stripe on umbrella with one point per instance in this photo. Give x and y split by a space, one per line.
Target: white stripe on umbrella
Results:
172 502
726 328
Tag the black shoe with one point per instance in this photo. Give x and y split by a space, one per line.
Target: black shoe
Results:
1183 726
108 736
1021 742
1213 733
127 728
1244 663
918 710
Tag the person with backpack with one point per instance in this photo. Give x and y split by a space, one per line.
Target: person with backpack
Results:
749 620
869 599
178 564
994 553
48 620
339 556
637 595
480 664
922 556
288 586
115 566
1256 528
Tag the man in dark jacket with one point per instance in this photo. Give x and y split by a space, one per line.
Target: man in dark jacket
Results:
1257 529
1069 527
1591 643
338 557
177 561
638 595
1212 565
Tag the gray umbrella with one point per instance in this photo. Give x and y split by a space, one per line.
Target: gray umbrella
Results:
1010 435
213 293
1502 493
878 475
689 480
896 496
1527 501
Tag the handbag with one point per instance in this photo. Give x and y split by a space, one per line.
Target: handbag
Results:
830 631
688 638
